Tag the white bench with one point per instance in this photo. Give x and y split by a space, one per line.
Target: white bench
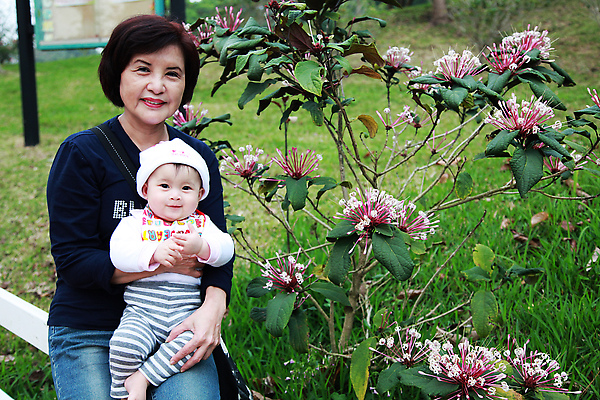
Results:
24 320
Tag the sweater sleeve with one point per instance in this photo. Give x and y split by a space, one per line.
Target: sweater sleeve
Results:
128 252
75 207
220 243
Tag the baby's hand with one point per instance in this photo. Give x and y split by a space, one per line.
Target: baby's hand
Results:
192 244
167 253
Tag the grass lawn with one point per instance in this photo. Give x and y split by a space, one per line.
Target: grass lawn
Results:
557 310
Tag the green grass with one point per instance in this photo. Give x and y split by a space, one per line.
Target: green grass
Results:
558 313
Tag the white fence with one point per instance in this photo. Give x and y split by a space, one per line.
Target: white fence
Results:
24 320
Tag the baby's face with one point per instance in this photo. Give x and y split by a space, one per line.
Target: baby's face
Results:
173 193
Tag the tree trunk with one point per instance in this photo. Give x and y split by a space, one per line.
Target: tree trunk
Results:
439 13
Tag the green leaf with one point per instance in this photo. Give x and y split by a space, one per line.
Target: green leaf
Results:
359 367
529 275
388 378
298 331
344 63
464 185
553 396
468 82
343 228
245 44
308 74
527 168
252 90
258 314
497 82
256 287
418 247
297 191
331 291
429 385
454 97
554 144
279 311
385 229
499 144
483 257
541 90
340 260
392 253
576 146
255 69
425 80
568 81
327 182
484 309
316 113
476 274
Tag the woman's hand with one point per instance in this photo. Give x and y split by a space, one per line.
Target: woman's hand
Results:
205 323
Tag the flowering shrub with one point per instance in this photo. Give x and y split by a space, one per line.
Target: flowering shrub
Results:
298 60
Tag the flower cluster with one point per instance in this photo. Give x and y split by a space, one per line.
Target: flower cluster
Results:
298 165
458 65
506 58
473 369
376 207
190 113
554 164
417 227
229 21
525 117
535 370
246 167
366 213
287 276
396 57
408 350
530 40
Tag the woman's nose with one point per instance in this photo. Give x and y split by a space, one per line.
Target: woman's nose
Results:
155 84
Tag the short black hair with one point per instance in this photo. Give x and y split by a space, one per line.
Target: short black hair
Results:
145 34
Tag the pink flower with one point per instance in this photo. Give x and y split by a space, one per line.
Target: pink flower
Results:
554 164
529 40
594 96
229 21
298 165
417 227
407 350
458 65
287 277
369 211
406 117
398 56
505 58
436 144
189 114
535 370
247 167
473 369
525 117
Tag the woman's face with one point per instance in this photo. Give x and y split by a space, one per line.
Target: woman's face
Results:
152 86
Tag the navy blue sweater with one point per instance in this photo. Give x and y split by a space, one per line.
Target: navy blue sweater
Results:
87 197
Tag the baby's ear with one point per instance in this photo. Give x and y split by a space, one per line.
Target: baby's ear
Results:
200 193
145 191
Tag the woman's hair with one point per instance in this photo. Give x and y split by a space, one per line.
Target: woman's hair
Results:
145 34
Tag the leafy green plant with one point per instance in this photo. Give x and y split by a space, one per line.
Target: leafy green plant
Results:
302 59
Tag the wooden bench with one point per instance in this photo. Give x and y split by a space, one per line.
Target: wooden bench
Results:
24 320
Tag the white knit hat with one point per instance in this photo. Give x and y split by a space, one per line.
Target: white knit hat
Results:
174 151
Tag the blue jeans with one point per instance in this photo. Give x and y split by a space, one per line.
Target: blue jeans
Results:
80 370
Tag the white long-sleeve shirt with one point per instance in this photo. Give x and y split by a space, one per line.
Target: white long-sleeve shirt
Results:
136 238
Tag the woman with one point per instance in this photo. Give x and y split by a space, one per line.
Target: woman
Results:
149 67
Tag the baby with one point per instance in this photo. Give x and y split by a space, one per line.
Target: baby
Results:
173 177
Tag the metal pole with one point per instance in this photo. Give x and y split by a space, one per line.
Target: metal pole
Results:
27 69
178 10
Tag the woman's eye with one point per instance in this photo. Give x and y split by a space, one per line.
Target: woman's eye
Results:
173 74
143 69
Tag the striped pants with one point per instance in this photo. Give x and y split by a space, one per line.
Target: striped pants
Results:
153 310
